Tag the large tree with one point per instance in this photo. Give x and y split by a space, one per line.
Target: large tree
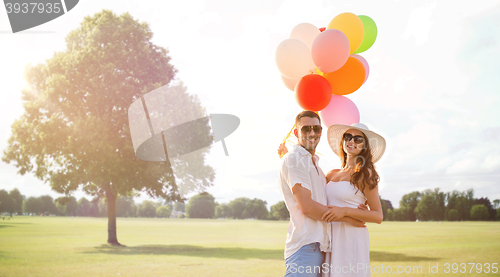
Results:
426 208
33 205
18 200
49 207
83 207
256 208
238 206
431 205
7 204
75 127
408 203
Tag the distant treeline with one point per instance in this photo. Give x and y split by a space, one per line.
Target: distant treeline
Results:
16 203
435 205
430 205
202 205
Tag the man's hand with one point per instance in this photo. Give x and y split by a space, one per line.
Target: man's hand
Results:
364 206
333 213
282 150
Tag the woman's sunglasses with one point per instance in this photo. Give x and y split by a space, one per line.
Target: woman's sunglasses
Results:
306 129
357 139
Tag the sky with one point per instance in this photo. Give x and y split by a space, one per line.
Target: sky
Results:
432 91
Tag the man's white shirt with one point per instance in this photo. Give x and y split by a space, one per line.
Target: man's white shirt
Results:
297 168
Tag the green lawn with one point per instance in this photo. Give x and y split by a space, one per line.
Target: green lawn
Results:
64 246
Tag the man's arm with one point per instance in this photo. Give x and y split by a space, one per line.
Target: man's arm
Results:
373 215
308 206
314 209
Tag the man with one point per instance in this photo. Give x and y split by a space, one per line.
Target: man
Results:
302 184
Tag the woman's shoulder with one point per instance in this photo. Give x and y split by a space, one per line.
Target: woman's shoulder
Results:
336 170
331 174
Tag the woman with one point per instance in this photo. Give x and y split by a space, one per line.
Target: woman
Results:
355 183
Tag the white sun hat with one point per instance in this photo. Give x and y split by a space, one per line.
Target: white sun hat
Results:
376 141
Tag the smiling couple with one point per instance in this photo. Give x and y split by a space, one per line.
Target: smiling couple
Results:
327 235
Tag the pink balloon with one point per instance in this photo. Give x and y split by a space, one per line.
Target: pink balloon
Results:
330 50
341 110
289 83
365 63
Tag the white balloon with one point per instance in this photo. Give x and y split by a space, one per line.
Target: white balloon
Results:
306 33
289 83
294 59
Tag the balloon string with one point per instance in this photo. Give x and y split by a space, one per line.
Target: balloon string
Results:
286 139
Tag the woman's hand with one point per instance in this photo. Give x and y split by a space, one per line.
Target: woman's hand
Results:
282 150
334 213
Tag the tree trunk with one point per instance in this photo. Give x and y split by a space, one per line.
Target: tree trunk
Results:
112 239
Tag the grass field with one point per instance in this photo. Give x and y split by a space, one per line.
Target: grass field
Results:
65 246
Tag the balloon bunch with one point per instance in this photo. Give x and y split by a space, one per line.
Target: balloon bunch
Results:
321 65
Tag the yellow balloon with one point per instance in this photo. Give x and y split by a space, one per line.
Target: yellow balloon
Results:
352 26
319 72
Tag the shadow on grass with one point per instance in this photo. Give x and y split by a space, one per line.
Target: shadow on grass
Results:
190 250
10 224
379 256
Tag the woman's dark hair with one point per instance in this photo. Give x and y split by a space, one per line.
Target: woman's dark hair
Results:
364 165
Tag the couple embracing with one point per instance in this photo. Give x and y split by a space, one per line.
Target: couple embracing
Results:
327 235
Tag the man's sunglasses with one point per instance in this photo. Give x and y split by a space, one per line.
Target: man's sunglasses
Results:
306 129
357 139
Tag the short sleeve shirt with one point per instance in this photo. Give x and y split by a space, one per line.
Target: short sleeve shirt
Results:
297 168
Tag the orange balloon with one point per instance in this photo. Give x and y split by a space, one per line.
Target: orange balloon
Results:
348 78
352 26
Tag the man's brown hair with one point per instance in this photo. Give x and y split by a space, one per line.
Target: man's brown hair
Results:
306 114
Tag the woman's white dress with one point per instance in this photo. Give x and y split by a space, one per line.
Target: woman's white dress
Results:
350 246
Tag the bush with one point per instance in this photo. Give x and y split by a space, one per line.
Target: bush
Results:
201 206
279 211
479 212
163 211
147 209
452 215
223 211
